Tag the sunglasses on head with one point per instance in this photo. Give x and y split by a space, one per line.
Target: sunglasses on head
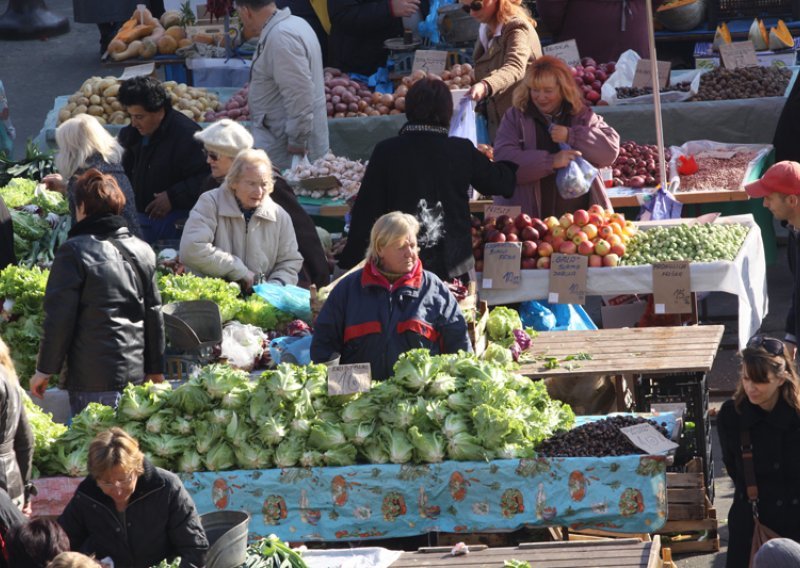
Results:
213 156
473 6
770 344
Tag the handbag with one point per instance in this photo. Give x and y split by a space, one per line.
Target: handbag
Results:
761 532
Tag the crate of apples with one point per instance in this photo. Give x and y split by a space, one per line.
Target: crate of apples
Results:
597 233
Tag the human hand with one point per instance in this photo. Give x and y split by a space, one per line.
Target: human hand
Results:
478 91
404 8
154 377
248 280
27 509
54 182
791 350
38 384
564 157
299 150
559 134
159 207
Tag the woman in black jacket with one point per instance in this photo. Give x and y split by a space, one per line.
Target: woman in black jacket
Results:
102 306
131 511
426 173
767 404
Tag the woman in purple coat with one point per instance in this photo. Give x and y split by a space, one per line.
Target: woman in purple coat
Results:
549 110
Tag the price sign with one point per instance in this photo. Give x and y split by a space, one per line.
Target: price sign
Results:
642 77
497 210
568 274
567 51
647 438
707 218
143 70
430 61
349 379
672 287
738 54
501 265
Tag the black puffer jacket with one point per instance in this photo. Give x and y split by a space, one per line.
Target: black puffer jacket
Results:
171 161
96 317
161 523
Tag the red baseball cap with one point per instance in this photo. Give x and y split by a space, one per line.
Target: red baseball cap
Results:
783 177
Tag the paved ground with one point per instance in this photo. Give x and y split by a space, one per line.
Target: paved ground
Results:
35 72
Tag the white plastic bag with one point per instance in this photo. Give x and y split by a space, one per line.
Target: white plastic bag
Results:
623 77
242 344
463 123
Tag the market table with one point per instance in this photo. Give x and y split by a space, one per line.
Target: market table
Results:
745 277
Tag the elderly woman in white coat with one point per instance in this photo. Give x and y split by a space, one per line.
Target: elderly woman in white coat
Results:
238 233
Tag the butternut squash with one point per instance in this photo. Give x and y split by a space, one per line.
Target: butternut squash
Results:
116 45
132 51
167 45
176 32
137 32
148 49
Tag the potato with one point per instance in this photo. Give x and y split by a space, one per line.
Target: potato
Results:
80 109
74 98
117 117
64 114
188 113
96 110
111 91
107 110
83 101
101 120
94 99
71 106
116 105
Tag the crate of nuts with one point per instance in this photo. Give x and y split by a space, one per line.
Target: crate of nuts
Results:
703 166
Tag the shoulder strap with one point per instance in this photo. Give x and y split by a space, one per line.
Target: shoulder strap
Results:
749 468
140 280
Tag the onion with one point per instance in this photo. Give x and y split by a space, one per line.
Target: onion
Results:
387 100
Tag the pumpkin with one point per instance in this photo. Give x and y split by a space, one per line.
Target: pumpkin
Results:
780 37
176 32
148 49
167 45
170 18
185 42
758 35
722 36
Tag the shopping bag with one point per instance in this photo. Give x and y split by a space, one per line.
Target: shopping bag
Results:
761 534
290 299
463 123
295 350
575 179
659 206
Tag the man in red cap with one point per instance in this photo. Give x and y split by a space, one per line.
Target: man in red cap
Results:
780 188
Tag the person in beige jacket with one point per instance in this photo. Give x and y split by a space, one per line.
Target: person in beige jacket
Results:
507 44
238 233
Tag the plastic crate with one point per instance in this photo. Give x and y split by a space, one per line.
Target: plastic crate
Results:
724 10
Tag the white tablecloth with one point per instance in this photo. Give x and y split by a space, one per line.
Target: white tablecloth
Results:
745 277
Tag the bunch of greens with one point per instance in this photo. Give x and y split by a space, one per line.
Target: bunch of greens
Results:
35 165
188 287
45 433
271 552
508 338
20 192
22 293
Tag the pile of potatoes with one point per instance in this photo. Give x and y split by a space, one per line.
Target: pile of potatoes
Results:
98 97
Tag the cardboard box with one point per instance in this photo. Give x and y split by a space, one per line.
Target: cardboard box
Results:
706 58
624 315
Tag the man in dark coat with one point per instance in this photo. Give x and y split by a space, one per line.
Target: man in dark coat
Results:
165 164
7 255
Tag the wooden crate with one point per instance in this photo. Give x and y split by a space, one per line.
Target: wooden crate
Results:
687 530
686 496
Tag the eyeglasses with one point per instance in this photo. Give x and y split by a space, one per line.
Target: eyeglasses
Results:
474 6
213 156
120 483
770 344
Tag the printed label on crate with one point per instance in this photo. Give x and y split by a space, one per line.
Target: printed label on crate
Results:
738 54
349 379
430 61
648 439
672 287
501 265
497 210
642 77
567 51
568 274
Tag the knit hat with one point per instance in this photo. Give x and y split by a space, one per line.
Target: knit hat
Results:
225 137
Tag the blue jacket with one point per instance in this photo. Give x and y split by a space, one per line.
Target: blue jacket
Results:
368 320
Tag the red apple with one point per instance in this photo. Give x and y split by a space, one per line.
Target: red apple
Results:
618 249
503 220
614 240
597 219
579 238
509 228
619 219
528 263
568 247
586 248
540 226
529 249
590 230
497 237
529 234
597 209
543 262
489 222
558 231
566 220
512 238
523 220
551 222
557 241
605 232
602 247
593 96
573 230
548 238
610 259
581 217
595 261
545 249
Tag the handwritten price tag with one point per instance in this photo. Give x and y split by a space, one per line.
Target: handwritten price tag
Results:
568 274
566 51
430 61
738 54
349 379
501 266
642 77
672 287
497 210
647 438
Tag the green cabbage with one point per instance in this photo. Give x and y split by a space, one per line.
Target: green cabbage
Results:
220 457
397 445
340 456
501 325
325 435
429 447
190 461
191 398
288 452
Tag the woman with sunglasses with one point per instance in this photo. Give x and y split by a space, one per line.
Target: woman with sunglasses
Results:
766 405
549 110
507 43
130 511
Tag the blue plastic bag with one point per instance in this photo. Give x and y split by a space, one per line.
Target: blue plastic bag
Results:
543 316
295 350
482 129
539 317
290 299
575 179
659 206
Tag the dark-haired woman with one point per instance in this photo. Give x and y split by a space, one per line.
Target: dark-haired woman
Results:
424 172
102 306
162 159
766 405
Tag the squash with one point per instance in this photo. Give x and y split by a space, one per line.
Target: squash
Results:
132 51
137 32
780 37
167 45
203 38
116 45
170 18
185 42
722 36
176 32
157 33
758 35
148 49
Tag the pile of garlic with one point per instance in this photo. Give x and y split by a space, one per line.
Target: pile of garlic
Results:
348 172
